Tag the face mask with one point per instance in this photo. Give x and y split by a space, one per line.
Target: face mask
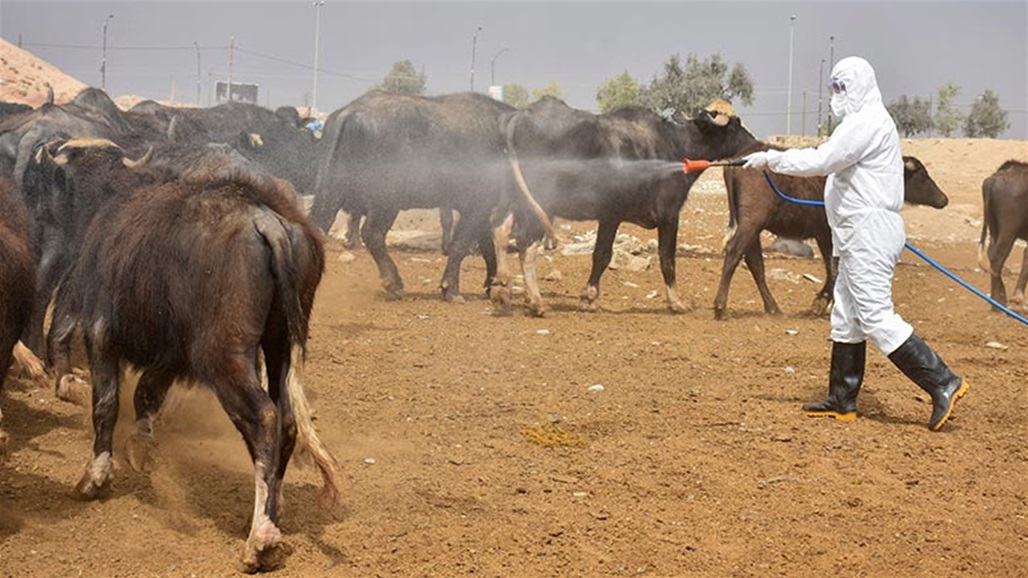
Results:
838 104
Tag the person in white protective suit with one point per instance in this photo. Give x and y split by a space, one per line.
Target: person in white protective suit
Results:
863 198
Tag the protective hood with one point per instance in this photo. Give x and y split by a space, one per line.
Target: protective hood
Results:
861 87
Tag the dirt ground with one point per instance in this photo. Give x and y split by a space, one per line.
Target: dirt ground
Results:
629 442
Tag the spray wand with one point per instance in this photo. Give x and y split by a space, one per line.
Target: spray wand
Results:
691 166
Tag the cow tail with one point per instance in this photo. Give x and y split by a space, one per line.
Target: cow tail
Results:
733 208
515 164
292 256
326 204
983 260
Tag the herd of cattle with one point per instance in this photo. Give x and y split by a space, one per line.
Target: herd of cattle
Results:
173 239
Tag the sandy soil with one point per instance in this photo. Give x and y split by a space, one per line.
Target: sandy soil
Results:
482 445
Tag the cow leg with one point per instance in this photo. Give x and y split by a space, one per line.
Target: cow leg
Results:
1022 280
446 224
150 395
733 255
755 262
373 233
667 239
499 292
277 363
255 416
485 247
68 386
533 297
602 253
822 304
459 248
7 343
106 383
353 231
999 250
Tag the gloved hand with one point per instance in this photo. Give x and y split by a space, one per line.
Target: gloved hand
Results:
757 160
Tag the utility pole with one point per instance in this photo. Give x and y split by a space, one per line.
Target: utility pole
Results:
197 45
103 56
231 54
474 42
492 66
820 97
317 37
831 60
788 105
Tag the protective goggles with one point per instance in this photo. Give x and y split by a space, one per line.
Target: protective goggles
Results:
837 86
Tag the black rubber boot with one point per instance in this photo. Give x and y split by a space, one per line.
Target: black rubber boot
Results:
844 379
925 368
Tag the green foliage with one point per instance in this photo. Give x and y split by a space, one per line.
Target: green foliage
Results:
689 89
947 118
911 116
403 79
987 119
551 89
515 95
621 90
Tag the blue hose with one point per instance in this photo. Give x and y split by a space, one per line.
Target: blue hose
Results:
912 249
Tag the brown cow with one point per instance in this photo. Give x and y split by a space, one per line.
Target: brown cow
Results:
189 281
753 207
1005 202
17 271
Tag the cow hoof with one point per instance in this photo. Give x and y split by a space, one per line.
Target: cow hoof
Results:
720 314
820 306
90 489
452 296
535 309
261 547
588 306
29 362
73 389
138 449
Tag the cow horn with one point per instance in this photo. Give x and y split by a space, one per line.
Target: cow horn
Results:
721 112
82 143
140 161
173 129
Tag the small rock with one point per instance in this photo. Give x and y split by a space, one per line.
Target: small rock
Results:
996 345
553 275
346 257
789 370
791 332
543 332
596 388
369 461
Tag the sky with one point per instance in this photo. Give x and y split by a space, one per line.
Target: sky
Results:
155 47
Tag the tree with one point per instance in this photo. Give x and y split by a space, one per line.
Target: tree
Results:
688 90
947 117
621 90
515 95
987 119
403 79
911 117
551 89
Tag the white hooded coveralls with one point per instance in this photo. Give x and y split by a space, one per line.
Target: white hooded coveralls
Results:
863 197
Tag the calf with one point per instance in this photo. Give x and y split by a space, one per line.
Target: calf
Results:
16 274
189 281
753 207
1005 202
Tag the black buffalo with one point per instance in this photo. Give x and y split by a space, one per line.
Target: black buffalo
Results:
623 166
385 153
1005 202
189 281
754 207
16 276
